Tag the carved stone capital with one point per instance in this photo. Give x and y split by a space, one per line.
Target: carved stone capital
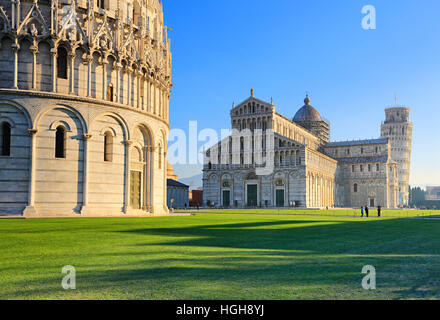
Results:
33 49
87 136
32 132
15 47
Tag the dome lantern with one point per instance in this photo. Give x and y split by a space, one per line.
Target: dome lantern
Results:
307 112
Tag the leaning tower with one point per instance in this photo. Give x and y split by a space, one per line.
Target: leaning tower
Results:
398 129
84 99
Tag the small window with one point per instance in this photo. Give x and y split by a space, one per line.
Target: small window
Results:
5 139
62 63
362 150
355 187
108 147
60 142
369 168
362 168
160 157
100 4
352 168
110 93
377 167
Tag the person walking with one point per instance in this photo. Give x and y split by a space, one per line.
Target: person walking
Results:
366 211
362 212
379 211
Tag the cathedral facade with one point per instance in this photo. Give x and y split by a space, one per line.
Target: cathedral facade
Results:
84 99
306 169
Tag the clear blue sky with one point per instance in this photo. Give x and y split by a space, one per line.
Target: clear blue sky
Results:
283 48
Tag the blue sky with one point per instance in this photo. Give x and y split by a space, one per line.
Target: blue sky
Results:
285 48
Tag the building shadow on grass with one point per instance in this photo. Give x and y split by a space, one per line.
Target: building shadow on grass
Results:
388 236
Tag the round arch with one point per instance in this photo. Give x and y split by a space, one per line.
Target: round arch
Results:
22 109
47 109
117 118
146 130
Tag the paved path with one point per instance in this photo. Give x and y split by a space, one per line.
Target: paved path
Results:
176 214
314 215
183 214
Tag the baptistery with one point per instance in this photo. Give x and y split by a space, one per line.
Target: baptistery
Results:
84 107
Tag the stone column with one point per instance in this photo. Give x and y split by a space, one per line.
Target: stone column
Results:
152 171
85 209
315 191
138 76
54 53
34 49
149 94
118 68
30 210
89 75
128 144
164 191
104 79
154 99
146 198
160 103
128 71
13 15
72 71
15 49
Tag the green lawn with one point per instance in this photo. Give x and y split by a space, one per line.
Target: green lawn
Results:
220 257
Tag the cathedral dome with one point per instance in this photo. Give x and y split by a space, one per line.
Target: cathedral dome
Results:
307 112
170 172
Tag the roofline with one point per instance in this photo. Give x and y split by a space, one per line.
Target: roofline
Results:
252 97
356 142
298 125
322 155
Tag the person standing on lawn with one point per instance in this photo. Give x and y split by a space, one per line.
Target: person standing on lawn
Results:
366 211
379 211
362 212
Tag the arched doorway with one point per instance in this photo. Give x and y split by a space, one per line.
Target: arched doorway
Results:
141 171
137 166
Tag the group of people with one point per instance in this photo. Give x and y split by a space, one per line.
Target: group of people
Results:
366 210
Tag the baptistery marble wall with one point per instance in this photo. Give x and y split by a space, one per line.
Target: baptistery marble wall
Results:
99 70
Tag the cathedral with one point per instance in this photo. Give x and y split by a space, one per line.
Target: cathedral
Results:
84 99
307 170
